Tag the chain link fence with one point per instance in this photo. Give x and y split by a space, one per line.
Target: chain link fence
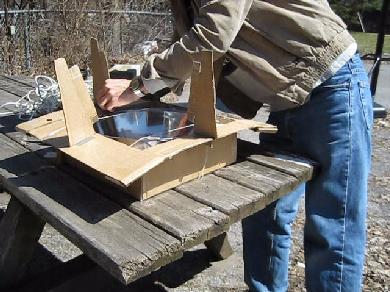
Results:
31 39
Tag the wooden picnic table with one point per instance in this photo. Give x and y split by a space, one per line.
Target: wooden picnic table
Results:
127 238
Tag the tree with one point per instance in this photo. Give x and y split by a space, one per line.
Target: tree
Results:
348 10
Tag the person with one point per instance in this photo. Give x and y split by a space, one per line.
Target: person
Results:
299 58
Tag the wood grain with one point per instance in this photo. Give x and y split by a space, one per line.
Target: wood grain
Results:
13 87
270 182
190 221
228 197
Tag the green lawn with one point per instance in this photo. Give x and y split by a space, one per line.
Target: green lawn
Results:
367 42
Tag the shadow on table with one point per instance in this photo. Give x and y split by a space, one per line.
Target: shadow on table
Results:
81 274
28 177
42 261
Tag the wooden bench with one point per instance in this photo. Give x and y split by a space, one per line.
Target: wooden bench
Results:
126 238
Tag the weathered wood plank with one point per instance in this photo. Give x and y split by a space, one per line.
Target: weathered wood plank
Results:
20 230
190 221
13 87
7 127
122 243
24 80
268 181
15 160
7 97
228 197
293 164
302 171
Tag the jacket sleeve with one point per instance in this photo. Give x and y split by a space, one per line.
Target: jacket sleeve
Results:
215 29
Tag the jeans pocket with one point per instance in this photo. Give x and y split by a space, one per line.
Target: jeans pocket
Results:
366 102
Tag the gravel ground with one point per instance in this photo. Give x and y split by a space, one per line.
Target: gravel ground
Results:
197 272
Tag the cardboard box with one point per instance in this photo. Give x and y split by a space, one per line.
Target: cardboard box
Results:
142 173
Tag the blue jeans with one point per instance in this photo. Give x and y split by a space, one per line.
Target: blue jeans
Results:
334 129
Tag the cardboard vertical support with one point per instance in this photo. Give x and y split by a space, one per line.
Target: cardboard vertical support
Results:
99 67
82 91
202 96
78 125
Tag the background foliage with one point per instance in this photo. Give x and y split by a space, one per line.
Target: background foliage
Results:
64 28
348 10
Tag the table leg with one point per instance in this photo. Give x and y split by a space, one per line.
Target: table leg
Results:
20 230
219 246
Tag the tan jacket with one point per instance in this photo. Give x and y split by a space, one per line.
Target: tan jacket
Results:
284 46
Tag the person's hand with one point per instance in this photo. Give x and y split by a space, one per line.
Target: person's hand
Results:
116 93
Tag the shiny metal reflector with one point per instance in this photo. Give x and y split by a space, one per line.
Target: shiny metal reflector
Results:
143 128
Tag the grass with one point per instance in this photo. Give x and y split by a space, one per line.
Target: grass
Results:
367 42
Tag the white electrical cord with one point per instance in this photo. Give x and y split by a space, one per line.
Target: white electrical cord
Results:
44 99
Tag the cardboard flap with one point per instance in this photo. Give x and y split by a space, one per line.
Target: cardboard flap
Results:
78 125
41 121
118 162
243 124
99 67
82 91
202 96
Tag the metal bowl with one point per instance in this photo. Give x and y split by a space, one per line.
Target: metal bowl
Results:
143 128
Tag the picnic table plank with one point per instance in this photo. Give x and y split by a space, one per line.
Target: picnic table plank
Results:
20 232
190 221
6 97
178 219
298 170
23 80
122 243
228 197
270 182
14 87
293 164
